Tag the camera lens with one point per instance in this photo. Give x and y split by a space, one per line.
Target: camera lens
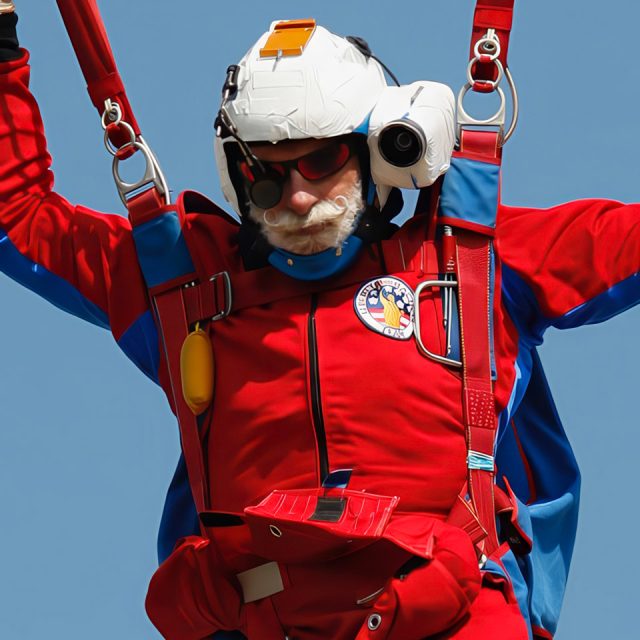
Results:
401 145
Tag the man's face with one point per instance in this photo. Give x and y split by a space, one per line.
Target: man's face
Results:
312 215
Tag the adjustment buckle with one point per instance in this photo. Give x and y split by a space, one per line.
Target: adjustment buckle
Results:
228 294
430 284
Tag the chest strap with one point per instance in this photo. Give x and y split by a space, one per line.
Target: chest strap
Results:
222 293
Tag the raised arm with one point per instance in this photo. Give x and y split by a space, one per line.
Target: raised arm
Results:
574 264
82 261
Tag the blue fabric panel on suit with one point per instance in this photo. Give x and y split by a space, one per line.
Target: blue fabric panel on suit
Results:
48 285
140 344
470 192
523 308
622 296
162 250
552 516
316 266
179 516
518 583
553 525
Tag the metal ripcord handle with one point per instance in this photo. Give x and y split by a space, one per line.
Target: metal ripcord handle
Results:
89 38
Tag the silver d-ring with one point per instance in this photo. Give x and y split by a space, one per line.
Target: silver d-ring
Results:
515 105
430 284
496 120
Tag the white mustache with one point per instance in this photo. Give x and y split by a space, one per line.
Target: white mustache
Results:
324 211
329 223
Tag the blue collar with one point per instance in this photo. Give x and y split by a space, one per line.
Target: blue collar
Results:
316 266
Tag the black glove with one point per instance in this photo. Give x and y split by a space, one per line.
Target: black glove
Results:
9 47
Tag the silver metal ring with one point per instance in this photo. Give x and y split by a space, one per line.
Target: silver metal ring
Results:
111 148
275 531
110 108
493 83
374 621
487 42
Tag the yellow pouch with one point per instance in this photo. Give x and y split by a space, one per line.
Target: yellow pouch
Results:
197 370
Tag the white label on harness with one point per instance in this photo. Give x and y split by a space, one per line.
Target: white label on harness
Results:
386 306
260 582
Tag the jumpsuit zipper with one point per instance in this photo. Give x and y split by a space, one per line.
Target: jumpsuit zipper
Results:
314 379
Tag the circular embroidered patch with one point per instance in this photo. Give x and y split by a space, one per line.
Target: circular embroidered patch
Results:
386 306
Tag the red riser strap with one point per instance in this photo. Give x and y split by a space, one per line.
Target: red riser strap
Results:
479 411
89 38
171 316
492 14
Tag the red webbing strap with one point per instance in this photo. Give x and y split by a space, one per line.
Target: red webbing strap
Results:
90 41
475 306
170 312
208 298
492 14
255 288
479 411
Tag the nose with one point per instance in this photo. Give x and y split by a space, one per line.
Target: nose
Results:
299 194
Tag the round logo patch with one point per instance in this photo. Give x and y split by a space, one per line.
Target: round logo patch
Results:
386 306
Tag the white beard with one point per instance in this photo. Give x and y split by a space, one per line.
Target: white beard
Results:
327 225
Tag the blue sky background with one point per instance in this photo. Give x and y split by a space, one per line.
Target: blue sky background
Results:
87 443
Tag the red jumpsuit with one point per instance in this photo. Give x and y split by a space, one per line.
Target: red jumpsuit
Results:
304 387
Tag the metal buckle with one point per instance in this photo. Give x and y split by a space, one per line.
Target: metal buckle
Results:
153 176
489 45
228 295
430 284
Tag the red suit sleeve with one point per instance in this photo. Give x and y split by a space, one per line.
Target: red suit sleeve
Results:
80 260
574 264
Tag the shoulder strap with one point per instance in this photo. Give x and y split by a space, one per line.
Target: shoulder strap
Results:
468 209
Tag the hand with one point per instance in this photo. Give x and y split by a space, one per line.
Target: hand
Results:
7 6
431 598
190 597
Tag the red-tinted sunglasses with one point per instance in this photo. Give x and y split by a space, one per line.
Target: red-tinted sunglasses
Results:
266 180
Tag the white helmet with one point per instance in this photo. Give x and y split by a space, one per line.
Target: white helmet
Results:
324 87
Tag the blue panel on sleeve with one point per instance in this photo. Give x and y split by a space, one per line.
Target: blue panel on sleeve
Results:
162 250
609 303
179 517
469 181
48 285
523 308
140 344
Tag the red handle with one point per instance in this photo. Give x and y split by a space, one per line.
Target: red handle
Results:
89 38
491 14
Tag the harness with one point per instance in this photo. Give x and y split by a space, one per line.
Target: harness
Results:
183 300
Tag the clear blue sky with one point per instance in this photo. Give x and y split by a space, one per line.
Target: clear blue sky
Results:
87 444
